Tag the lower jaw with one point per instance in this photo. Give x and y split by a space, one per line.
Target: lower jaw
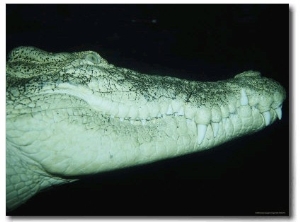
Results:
167 137
104 143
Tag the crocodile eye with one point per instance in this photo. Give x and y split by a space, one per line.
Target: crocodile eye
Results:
92 58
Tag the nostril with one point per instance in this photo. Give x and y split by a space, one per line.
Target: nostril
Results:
249 73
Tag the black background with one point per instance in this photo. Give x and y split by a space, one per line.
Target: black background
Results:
196 42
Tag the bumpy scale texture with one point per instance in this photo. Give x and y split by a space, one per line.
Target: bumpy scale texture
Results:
72 114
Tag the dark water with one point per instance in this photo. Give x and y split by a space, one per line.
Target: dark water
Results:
197 42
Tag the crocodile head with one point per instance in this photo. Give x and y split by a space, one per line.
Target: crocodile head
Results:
73 114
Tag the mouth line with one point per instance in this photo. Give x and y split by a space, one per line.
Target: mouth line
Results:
219 120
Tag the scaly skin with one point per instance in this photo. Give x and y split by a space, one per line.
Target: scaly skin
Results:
73 114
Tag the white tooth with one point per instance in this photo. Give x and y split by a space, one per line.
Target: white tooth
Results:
201 132
244 98
181 112
215 127
143 122
121 119
131 121
170 111
279 112
267 117
175 105
224 121
133 112
112 116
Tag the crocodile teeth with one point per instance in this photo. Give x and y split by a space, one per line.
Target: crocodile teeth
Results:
244 98
279 112
201 132
267 117
215 127
170 111
181 112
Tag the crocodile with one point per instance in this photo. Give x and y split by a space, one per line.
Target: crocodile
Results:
74 114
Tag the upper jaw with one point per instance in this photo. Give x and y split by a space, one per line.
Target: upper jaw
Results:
243 97
204 102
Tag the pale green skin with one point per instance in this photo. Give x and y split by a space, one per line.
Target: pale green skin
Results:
73 114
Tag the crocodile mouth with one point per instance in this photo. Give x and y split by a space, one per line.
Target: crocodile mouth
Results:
210 124
73 114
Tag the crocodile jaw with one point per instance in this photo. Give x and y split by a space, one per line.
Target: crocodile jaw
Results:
61 126
101 134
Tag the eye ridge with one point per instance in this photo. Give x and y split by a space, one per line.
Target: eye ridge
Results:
92 58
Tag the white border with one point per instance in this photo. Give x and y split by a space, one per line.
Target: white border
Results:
295 90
